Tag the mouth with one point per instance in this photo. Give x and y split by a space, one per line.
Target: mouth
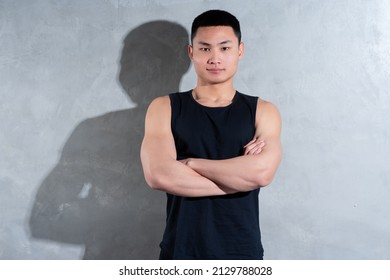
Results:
215 70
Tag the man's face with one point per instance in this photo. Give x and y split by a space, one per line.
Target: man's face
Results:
215 53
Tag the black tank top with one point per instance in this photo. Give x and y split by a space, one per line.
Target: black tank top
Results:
217 227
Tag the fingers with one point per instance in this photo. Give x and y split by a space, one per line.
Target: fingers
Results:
184 161
254 147
251 142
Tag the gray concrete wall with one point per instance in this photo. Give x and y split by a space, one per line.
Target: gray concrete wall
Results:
75 80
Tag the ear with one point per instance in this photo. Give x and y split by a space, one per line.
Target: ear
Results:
241 49
190 51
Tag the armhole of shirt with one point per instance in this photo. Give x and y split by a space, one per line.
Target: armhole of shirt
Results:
172 98
255 112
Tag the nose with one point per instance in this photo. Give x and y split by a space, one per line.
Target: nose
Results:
214 57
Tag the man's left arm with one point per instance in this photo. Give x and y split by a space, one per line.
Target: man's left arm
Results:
257 167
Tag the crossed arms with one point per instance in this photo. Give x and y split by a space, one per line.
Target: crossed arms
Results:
195 177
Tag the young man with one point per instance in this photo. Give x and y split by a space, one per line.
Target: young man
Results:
211 149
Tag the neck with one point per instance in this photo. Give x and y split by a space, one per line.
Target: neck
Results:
215 92
214 95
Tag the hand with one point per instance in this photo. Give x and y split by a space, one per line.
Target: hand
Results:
185 161
254 147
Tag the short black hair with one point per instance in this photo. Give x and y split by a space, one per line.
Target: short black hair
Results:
216 18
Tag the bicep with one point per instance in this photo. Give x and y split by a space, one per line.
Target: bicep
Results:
268 120
268 128
158 143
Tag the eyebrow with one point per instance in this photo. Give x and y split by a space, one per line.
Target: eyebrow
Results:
208 44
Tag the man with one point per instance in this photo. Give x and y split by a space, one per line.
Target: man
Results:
211 149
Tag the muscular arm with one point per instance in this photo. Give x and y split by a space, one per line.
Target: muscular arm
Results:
252 170
158 156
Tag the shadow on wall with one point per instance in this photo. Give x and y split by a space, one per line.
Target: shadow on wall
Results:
96 194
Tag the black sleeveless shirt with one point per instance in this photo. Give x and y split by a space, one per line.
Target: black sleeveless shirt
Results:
217 227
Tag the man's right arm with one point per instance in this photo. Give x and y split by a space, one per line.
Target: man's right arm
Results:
158 156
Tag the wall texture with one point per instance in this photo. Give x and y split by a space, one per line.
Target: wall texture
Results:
75 80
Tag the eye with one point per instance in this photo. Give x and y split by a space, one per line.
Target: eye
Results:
205 49
225 48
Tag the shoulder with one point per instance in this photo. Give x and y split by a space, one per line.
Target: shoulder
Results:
267 115
263 107
162 107
266 108
160 102
165 100
158 110
247 97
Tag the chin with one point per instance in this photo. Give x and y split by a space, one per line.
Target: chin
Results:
219 80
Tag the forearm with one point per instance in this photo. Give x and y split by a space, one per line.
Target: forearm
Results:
243 173
174 177
233 173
